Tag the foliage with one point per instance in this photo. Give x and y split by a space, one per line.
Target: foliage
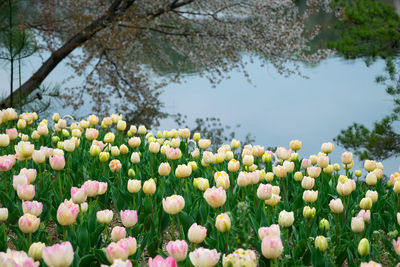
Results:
367 28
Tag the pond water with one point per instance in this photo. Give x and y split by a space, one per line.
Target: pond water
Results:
273 108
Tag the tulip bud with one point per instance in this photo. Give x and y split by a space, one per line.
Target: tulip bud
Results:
223 222
149 187
104 216
197 233
308 212
366 203
321 243
134 186
118 233
35 250
286 219
363 247
324 225
104 156
3 214
177 249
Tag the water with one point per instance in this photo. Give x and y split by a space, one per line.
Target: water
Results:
274 108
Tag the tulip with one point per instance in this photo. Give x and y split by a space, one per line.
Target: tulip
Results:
102 188
272 230
92 188
321 243
266 157
288 165
20 180
264 191
371 179
273 201
15 258
366 203
67 213
78 195
134 186
24 150
119 263
104 216
373 195
363 247
164 169
396 245
69 145
324 225
202 257
201 183
323 161
344 188
197 233
58 255
115 165
135 157
313 172
130 242
286 219
183 171
371 263
307 182
173 204
28 223
223 222
149 187
243 179
118 250
240 257
6 162
39 156
365 215
271 247
347 158
12 133
32 207
84 207
222 180
369 165
310 196
3 214
128 217
57 162
118 233
336 206
173 153
159 261
4 140
109 138
26 191
248 160
283 153
35 250
279 171
215 197
327 148
357 224
195 153
308 212
91 134
295 145
177 249
115 151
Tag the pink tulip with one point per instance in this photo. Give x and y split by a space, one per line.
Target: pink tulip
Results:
272 230
67 213
92 187
79 195
128 217
26 191
12 133
396 245
131 243
159 261
102 188
173 204
32 207
7 162
177 249
271 247
264 191
28 223
202 257
215 197
59 255
15 258
118 233
118 250
119 263
31 173
197 233
57 162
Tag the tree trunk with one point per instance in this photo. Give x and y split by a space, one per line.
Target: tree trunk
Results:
117 8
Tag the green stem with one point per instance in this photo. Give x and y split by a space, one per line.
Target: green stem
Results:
59 184
151 206
226 242
172 228
179 228
65 233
